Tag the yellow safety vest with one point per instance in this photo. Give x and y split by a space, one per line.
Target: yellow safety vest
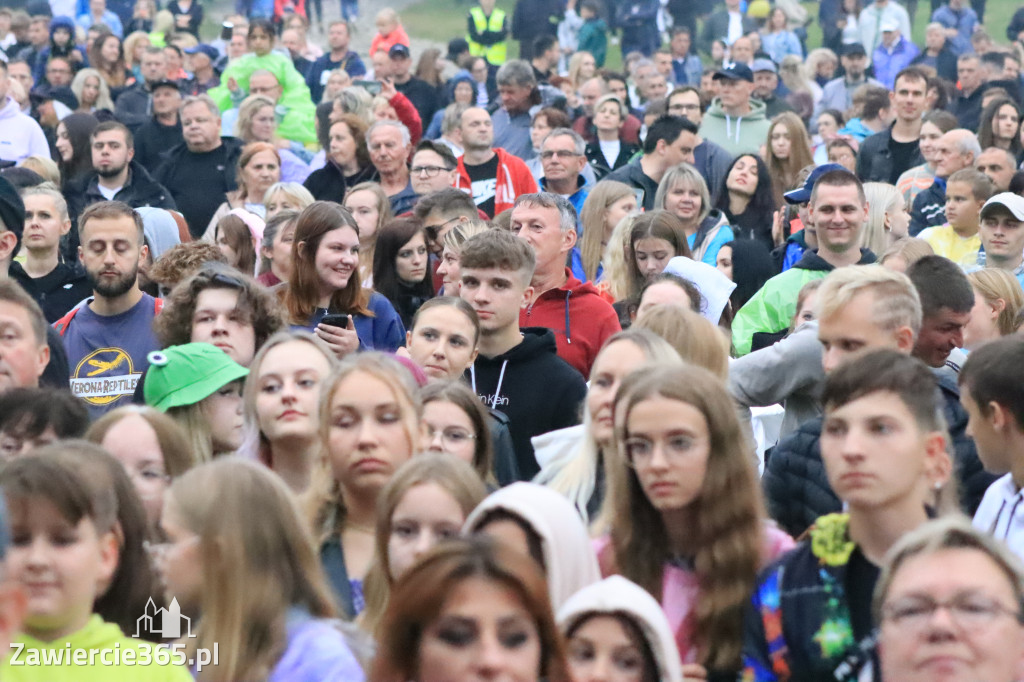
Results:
495 54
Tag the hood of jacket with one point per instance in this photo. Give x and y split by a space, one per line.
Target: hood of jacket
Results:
812 261
10 108
536 341
619 596
569 561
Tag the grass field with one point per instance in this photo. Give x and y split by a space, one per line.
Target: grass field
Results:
442 20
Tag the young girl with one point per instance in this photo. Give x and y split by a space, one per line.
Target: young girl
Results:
655 238
616 628
746 199
369 427
238 241
456 423
443 337
371 209
401 266
684 510
540 523
200 387
426 502
608 203
276 248
787 152
241 560
325 279
65 553
152 448
571 459
280 406
683 192
1000 126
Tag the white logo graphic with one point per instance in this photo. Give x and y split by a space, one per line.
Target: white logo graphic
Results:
165 622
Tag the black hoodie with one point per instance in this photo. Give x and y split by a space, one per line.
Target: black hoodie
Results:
57 292
533 387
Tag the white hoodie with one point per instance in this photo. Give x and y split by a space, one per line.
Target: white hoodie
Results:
569 560
20 135
619 596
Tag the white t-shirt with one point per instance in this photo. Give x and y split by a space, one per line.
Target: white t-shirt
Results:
108 194
610 150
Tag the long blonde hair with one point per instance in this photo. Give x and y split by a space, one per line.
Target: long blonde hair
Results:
254 444
576 479
726 518
882 199
617 254
454 476
592 218
258 562
326 502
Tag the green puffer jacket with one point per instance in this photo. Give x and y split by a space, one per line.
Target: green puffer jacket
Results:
771 309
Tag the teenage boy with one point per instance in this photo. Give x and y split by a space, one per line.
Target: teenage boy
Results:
884 448
518 372
967 190
992 392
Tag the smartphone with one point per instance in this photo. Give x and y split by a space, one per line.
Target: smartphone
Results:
336 320
227 29
372 87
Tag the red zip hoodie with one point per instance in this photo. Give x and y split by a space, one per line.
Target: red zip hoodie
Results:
580 318
514 178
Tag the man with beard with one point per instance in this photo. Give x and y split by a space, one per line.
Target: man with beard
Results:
117 176
108 337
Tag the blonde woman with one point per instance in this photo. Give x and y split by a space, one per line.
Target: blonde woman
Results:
888 219
606 205
998 303
582 67
684 193
92 91
369 427
257 122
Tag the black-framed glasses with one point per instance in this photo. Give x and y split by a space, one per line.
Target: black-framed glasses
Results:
430 171
434 230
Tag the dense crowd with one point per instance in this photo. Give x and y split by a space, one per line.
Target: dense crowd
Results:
324 364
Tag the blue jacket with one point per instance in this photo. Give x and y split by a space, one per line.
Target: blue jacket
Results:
384 331
888 63
688 70
963 21
576 199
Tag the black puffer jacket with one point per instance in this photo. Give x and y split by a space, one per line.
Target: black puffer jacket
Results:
796 486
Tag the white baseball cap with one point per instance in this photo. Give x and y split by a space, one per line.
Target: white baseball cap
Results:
1014 203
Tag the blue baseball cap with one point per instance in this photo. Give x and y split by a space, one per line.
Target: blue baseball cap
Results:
802 195
209 50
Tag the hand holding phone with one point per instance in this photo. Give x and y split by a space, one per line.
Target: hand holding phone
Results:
339 332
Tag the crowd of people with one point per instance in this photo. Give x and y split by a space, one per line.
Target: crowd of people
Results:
502 364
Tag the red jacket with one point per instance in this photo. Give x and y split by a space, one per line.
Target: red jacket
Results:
580 318
514 178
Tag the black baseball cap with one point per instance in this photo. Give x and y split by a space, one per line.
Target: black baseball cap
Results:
854 50
735 72
165 83
399 51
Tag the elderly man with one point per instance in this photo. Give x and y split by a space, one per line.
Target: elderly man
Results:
999 165
492 175
200 172
573 310
389 144
937 53
517 89
893 54
955 150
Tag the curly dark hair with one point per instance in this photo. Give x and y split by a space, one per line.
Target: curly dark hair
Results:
173 326
181 260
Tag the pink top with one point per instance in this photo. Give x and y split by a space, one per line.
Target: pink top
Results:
679 587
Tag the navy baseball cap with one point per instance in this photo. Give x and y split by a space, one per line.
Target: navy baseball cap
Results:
399 51
803 194
735 72
209 50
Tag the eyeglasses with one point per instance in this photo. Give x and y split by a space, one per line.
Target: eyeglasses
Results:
639 450
431 171
969 611
434 230
560 153
452 436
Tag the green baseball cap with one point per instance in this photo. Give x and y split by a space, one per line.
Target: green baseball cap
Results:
185 374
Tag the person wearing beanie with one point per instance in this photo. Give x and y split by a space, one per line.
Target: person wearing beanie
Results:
200 387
